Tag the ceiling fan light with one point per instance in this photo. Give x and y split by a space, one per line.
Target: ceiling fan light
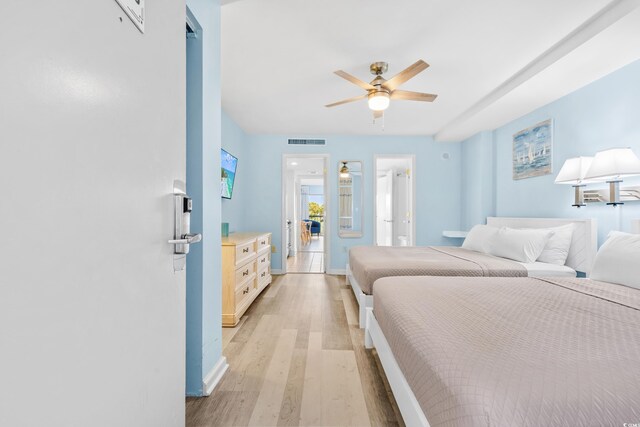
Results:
344 170
379 101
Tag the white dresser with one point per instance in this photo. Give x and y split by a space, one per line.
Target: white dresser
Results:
246 271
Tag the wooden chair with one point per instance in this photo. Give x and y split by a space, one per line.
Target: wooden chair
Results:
305 232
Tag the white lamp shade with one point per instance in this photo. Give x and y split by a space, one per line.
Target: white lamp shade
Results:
613 164
379 101
574 170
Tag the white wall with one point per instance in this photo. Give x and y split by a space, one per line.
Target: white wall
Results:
92 134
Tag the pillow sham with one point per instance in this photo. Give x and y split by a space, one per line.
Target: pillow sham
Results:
557 249
524 245
479 237
618 260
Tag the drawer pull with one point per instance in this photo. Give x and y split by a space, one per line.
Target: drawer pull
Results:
245 273
263 273
245 250
245 291
264 242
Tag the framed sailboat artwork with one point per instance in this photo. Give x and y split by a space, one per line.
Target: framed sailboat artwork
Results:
532 151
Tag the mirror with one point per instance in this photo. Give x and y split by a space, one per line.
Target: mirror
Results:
350 198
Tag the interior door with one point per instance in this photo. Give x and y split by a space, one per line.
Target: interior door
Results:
402 208
92 122
384 209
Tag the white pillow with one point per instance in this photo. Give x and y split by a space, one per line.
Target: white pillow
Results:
479 237
618 260
524 245
557 249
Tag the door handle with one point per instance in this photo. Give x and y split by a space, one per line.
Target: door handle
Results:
187 239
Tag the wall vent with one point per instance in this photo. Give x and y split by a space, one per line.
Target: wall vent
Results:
307 141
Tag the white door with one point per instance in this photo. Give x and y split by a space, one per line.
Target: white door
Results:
402 207
92 136
394 200
384 209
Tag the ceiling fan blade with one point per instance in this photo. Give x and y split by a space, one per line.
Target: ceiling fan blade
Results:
405 75
413 96
377 114
354 80
346 101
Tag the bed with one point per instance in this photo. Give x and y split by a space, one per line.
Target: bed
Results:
508 351
370 263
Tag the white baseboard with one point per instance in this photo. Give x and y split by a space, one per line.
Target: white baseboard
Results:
337 271
214 376
277 272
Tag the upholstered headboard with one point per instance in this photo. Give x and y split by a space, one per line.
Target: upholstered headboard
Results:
635 226
584 243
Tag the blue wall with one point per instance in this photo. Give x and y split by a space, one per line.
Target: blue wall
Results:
478 179
234 141
437 183
601 115
204 269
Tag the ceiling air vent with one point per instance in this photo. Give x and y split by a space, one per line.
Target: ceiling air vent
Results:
307 141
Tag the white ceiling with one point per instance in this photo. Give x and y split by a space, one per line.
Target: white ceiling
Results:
491 61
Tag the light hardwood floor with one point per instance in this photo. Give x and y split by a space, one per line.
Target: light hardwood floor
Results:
316 244
306 262
297 358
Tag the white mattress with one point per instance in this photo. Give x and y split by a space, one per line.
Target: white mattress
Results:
542 269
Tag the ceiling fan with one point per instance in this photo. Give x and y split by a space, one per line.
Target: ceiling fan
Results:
381 91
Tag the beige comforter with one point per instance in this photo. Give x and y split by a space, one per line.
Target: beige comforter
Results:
370 263
515 352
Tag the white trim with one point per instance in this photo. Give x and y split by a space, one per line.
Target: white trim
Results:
364 301
327 206
214 376
337 271
584 244
276 272
410 409
413 181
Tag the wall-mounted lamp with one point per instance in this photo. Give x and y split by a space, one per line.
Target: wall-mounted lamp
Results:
344 170
611 166
573 172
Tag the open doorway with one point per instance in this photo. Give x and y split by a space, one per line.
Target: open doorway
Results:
305 222
395 194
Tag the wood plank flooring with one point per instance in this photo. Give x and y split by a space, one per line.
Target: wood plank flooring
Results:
297 358
306 262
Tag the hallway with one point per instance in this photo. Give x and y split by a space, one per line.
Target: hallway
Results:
297 358
309 259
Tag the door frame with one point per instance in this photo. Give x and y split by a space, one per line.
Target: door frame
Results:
327 207
411 157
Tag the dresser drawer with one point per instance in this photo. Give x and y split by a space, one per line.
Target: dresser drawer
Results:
263 278
263 274
245 251
243 273
244 292
263 242
263 260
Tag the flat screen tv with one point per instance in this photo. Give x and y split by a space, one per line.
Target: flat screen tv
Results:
229 164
